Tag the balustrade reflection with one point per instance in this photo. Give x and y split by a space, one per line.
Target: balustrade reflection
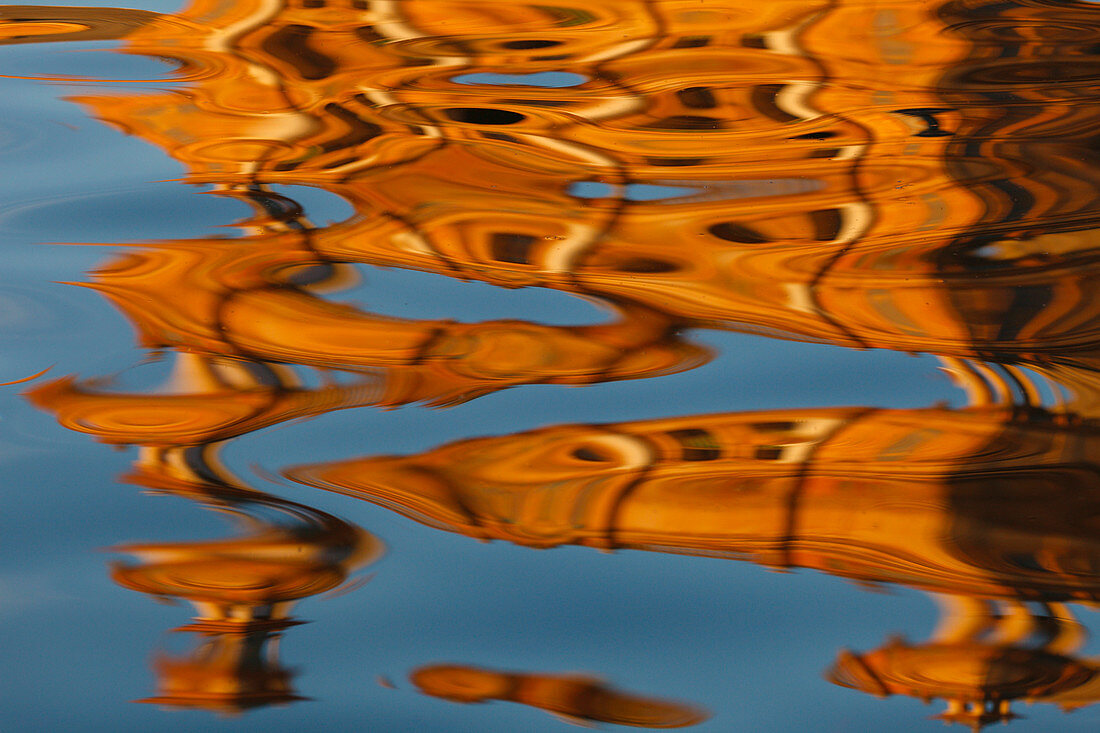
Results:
920 177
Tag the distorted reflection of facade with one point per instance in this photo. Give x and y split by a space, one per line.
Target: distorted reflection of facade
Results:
891 174
988 509
578 699
206 400
248 305
684 172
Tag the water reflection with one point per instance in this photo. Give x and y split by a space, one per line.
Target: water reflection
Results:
575 699
889 209
259 299
243 588
980 661
982 507
915 177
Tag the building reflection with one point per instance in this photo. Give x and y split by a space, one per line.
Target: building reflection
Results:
243 588
983 507
573 698
872 175
890 210
828 250
934 200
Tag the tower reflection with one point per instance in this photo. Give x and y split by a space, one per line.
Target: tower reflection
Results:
243 588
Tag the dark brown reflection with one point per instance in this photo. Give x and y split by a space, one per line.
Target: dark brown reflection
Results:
574 698
986 506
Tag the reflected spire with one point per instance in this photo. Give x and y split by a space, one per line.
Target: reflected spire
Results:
288 551
242 589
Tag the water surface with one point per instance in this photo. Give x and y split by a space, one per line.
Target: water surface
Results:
489 367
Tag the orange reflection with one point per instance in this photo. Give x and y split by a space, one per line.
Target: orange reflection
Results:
43 24
980 661
205 400
573 698
832 172
984 505
256 302
243 588
289 551
871 494
891 174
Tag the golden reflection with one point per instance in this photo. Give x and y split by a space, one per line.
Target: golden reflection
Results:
578 699
243 588
880 174
289 551
205 400
983 657
986 506
834 171
252 303
41 24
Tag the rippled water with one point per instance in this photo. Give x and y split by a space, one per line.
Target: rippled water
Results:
745 310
